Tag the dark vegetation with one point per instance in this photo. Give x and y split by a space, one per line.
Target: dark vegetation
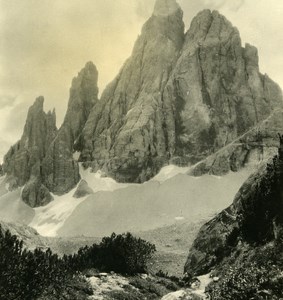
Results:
260 215
255 273
41 274
122 253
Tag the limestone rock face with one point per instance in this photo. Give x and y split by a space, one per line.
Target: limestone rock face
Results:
23 161
216 88
35 193
83 96
61 171
124 134
179 99
42 161
258 144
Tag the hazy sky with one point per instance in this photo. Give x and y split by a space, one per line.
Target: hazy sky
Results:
44 44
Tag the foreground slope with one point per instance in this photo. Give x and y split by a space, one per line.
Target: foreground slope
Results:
253 221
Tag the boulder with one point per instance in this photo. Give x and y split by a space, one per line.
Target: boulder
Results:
82 190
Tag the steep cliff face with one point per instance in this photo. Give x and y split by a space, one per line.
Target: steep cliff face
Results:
125 133
60 170
179 98
255 218
42 161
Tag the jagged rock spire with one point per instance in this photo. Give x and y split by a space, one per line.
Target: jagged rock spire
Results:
60 171
22 163
42 161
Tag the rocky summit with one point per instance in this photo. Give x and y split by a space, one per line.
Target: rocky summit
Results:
181 98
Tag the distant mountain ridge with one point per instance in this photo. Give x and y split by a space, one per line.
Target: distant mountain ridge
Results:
179 99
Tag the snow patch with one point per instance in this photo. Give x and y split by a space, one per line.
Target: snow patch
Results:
51 219
218 177
98 182
48 219
169 172
180 218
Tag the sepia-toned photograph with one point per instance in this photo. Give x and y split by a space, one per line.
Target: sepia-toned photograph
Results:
141 150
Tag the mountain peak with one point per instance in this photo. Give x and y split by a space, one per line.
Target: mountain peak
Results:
39 102
90 65
165 7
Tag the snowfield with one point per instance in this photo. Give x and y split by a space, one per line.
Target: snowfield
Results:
171 196
50 218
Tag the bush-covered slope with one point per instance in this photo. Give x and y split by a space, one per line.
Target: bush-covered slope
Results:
244 242
41 274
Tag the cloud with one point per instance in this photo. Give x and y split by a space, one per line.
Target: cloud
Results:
6 100
144 8
15 119
234 5
45 43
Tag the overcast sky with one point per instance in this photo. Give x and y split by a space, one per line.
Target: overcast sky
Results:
44 44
